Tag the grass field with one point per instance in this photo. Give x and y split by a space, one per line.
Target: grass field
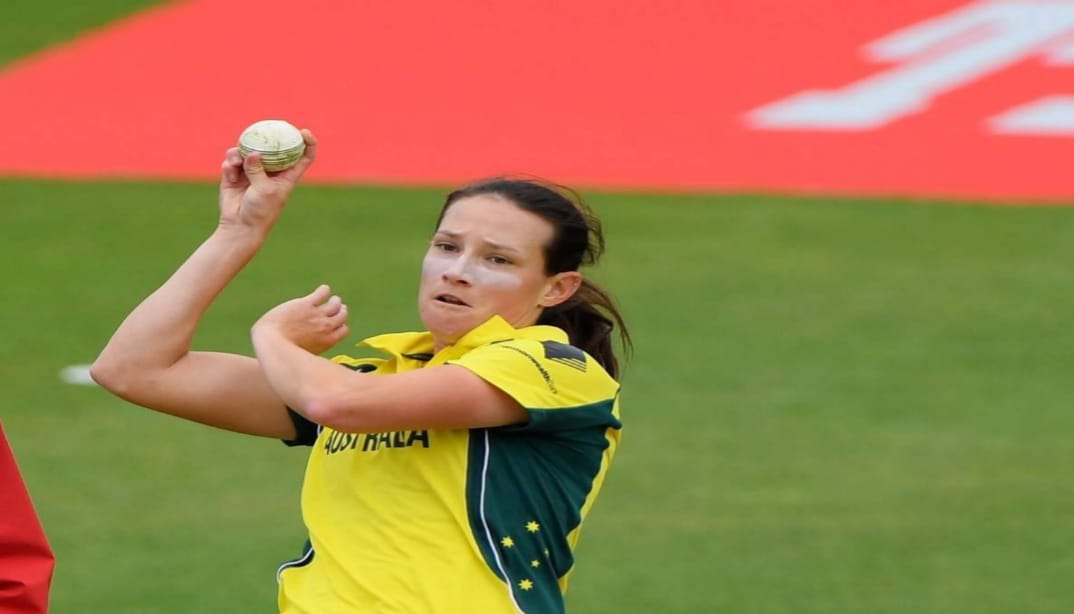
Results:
835 406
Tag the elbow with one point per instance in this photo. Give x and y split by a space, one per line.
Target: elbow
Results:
106 374
330 410
115 377
321 411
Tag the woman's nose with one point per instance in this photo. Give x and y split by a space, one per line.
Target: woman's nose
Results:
458 272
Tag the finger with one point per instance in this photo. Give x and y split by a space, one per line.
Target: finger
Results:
319 294
307 158
339 318
254 169
340 334
233 156
231 167
228 174
332 305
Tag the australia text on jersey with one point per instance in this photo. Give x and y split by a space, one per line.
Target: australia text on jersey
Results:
371 442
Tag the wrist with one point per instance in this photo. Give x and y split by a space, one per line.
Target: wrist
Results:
236 244
265 335
240 235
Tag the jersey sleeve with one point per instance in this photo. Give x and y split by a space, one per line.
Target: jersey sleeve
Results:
306 431
559 385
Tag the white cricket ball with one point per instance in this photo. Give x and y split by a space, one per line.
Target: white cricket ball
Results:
280 144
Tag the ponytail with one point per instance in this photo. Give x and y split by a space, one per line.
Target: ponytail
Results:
589 317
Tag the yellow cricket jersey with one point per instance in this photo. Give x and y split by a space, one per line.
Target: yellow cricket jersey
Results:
477 521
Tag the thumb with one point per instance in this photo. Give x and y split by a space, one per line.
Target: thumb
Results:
254 169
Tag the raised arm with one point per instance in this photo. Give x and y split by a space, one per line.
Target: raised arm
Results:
148 360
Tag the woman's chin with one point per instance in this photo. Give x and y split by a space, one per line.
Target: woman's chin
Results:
448 328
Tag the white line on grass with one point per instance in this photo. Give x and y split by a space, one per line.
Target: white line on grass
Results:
77 375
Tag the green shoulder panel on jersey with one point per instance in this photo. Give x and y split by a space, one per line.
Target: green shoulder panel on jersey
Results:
525 494
570 419
541 375
527 485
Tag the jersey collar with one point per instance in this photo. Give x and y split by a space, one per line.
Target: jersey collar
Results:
420 344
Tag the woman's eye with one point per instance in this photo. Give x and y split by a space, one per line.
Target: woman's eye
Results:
499 260
445 247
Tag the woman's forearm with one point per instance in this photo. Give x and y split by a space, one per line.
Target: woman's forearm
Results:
303 381
160 330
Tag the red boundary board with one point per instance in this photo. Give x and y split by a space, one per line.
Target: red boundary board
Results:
624 95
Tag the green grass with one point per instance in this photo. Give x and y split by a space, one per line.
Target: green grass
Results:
835 407
30 25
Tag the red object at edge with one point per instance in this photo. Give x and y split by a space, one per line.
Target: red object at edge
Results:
26 560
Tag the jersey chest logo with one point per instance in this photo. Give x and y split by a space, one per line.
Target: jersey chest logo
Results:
371 442
564 354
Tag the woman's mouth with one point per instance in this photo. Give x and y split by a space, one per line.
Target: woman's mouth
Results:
450 299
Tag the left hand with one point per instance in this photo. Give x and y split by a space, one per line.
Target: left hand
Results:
314 322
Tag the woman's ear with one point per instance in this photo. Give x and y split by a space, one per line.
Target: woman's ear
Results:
560 287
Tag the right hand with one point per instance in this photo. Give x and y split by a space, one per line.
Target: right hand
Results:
250 198
314 322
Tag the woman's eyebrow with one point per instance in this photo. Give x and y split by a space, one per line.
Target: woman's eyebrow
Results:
502 248
494 245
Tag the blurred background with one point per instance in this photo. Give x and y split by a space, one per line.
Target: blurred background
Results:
840 233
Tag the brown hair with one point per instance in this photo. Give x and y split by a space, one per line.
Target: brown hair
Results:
590 315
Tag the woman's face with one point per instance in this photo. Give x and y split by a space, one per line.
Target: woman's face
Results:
486 259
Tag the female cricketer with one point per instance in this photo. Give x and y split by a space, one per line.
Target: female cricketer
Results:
451 475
